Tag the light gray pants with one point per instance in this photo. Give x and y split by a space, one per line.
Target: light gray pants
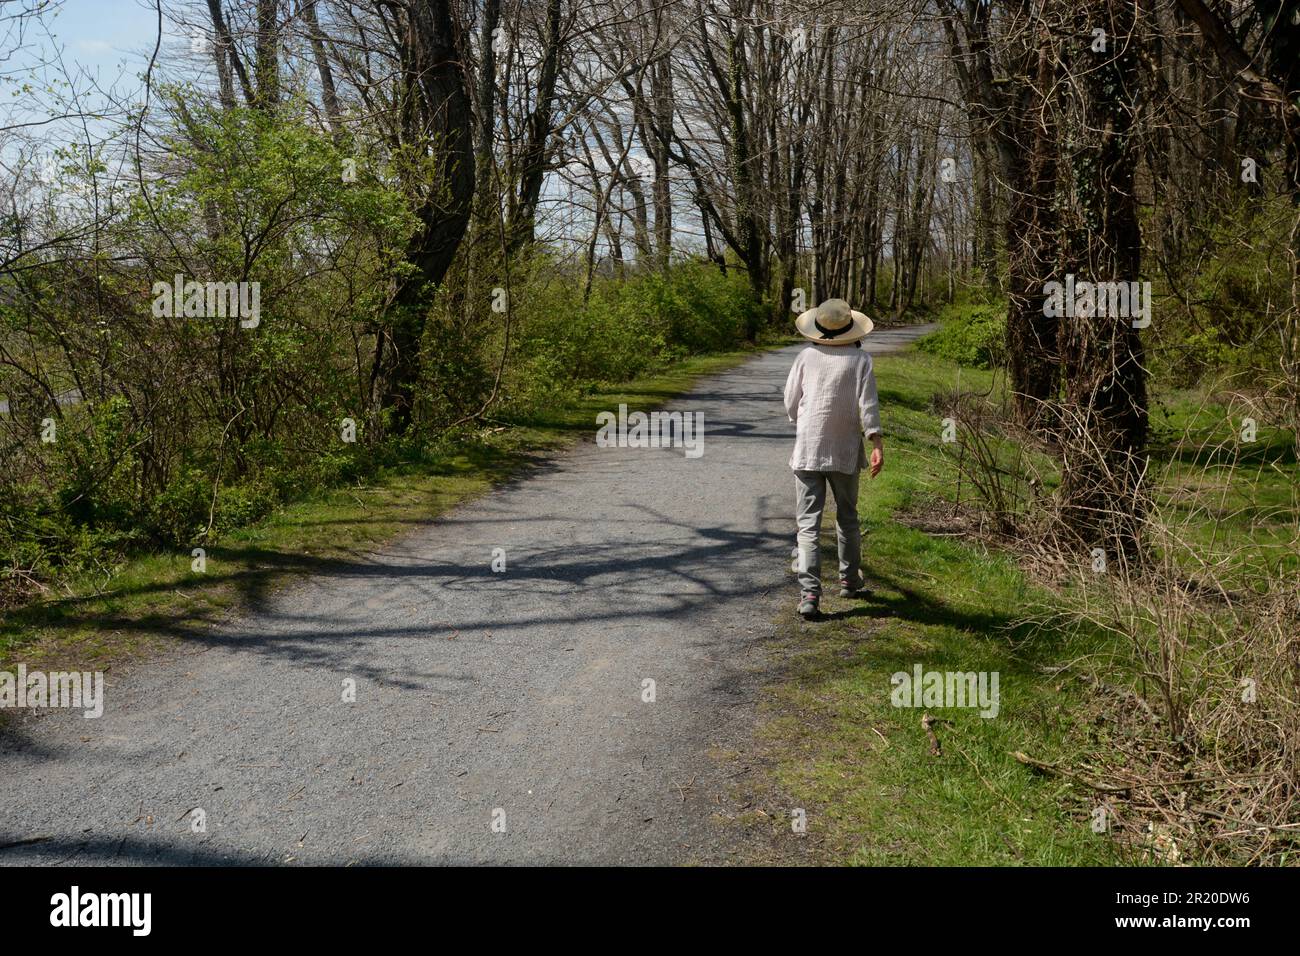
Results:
810 501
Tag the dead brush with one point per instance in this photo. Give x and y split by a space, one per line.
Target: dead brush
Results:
1187 740
1193 692
993 466
1191 725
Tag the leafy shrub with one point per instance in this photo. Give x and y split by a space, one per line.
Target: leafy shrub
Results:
626 328
971 335
179 512
181 428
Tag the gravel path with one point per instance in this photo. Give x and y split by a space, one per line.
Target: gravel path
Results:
499 717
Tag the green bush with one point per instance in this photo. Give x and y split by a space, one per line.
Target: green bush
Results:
242 503
971 335
179 512
1231 296
95 453
627 327
192 426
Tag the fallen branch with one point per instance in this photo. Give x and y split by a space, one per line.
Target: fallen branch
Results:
1056 768
927 723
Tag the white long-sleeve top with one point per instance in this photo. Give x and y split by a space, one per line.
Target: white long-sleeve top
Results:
830 395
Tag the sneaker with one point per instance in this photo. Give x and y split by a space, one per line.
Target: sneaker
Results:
850 589
808 607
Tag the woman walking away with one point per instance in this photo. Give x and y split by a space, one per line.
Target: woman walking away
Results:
830 395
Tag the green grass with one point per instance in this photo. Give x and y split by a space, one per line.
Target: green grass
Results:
861 767
1227 494
147 602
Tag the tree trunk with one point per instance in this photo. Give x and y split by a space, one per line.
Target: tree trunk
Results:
267 68
1104 435
329 96
532 163
1033 362
436 113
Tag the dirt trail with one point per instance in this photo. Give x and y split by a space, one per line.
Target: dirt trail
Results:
512 698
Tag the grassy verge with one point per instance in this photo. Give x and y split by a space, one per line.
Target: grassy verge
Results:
861 767
135 607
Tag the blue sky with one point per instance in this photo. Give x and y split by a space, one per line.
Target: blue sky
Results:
109 41
106 36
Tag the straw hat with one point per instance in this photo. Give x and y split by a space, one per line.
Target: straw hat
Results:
833 323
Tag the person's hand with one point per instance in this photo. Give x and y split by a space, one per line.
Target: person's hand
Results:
877 460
